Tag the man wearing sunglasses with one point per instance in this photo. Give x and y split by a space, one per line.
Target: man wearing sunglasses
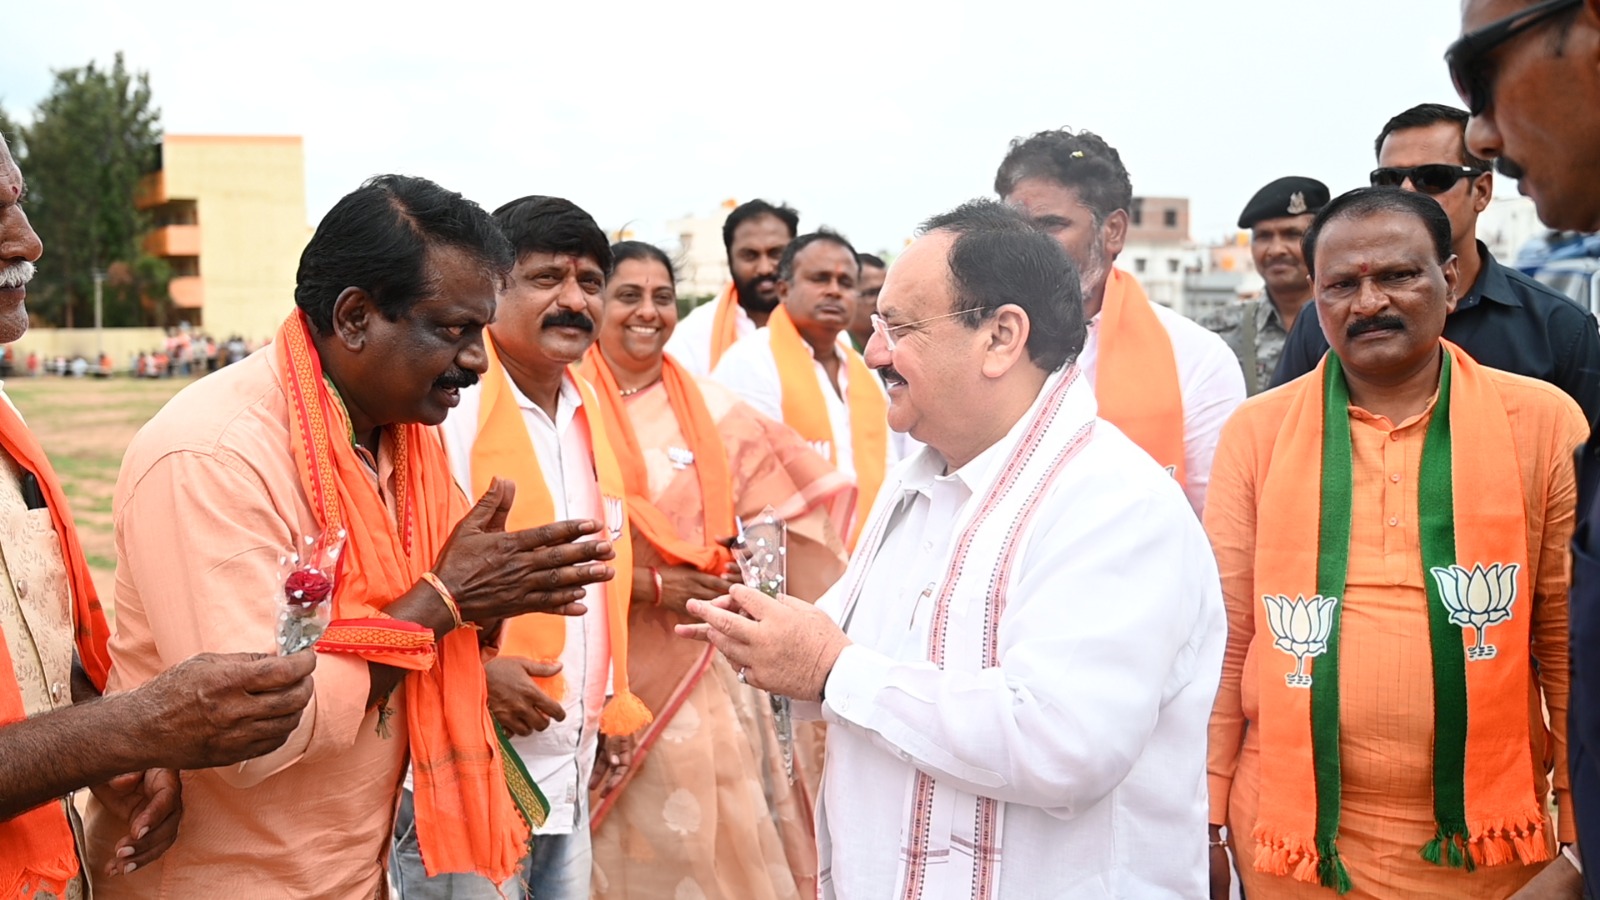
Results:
1529 72
1503 319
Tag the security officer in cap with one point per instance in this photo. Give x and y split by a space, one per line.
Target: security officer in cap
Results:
1277 217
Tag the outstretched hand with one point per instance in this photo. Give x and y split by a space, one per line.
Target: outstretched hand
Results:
151 802
779 644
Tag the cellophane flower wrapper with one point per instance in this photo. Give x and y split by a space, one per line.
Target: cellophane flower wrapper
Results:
305 594
762 554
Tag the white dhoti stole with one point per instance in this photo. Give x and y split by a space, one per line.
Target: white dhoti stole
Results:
960 833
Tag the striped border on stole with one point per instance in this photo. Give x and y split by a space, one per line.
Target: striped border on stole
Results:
988 816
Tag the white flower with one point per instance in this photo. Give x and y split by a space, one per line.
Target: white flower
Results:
1478 598
1301 628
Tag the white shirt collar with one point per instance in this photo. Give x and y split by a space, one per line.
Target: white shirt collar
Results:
568 401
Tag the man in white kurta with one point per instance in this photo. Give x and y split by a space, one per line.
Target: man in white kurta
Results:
1018 665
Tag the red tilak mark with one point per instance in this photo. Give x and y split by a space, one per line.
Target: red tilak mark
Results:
1365 268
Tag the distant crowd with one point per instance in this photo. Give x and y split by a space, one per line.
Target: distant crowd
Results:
182 354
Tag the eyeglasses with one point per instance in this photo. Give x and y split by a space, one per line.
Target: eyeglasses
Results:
1473 77
886 331
1435 178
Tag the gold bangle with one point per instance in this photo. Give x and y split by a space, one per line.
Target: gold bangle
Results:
445 595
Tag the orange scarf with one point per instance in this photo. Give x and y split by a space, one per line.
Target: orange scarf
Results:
503 448
466 820
806 410
1477 587
710 463
37 847
725 326
1136 377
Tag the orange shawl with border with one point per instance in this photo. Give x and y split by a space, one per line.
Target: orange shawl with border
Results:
466 819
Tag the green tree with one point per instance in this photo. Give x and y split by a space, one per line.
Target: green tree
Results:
91 139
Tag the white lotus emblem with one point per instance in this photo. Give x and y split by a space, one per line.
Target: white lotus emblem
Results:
614 516
1478 599
680 457
1301 627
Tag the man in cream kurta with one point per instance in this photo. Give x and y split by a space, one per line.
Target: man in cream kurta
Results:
1018 697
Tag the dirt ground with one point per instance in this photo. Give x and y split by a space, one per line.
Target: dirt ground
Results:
85 425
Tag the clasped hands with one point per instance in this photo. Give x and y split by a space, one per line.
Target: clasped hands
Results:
779 644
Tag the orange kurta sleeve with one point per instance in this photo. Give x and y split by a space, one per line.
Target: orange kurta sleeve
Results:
1552 578
1230 520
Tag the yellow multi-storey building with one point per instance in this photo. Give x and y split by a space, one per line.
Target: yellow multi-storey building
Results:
229 216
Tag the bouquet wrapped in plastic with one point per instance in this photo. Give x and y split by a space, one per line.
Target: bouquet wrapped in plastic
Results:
305 604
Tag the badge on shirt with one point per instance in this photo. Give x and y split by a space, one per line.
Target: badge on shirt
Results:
681 457
614 516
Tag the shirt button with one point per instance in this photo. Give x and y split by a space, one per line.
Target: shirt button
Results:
22 587
572 793
1395 478
842 704
1394 435
57 690
927 546
1394 520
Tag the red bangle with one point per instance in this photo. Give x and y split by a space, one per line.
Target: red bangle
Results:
655 575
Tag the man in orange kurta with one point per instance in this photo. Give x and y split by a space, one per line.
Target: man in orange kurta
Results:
326 431
1384 281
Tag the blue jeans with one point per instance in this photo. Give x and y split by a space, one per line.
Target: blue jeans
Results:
558 868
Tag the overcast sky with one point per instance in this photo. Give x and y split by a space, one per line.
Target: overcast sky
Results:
866 116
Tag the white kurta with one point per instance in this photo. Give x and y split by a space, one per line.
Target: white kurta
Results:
561 757
1091 732
690 343
750 370
1209 380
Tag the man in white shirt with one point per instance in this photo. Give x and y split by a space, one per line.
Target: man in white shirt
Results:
546 317
1029 635
802 371
1170 396
754 235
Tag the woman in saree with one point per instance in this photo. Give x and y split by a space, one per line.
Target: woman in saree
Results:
705 808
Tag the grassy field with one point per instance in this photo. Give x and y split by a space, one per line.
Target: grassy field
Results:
85 425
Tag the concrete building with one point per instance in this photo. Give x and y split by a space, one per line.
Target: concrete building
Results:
229 216
1158 250
1507 224
700 258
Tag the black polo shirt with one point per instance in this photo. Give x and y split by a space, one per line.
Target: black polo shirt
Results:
1508 321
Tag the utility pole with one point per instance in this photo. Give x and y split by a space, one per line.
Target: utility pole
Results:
99 334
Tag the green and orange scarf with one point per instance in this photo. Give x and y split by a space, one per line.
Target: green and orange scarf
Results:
806 411
1473 533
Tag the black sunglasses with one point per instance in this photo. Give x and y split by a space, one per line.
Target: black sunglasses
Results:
1435 178
1473 77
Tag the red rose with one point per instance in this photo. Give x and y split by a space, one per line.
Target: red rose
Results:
307 588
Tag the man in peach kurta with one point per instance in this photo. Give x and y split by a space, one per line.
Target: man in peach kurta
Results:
1384 283
241 467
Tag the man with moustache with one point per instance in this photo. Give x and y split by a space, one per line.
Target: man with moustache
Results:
801 371
1527 73
1277 218
1503 318
1391 532
754 235
323 444
1168 383
212 710
533 420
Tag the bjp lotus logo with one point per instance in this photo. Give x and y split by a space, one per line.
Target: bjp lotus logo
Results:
614 516
1301 627
1478 599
